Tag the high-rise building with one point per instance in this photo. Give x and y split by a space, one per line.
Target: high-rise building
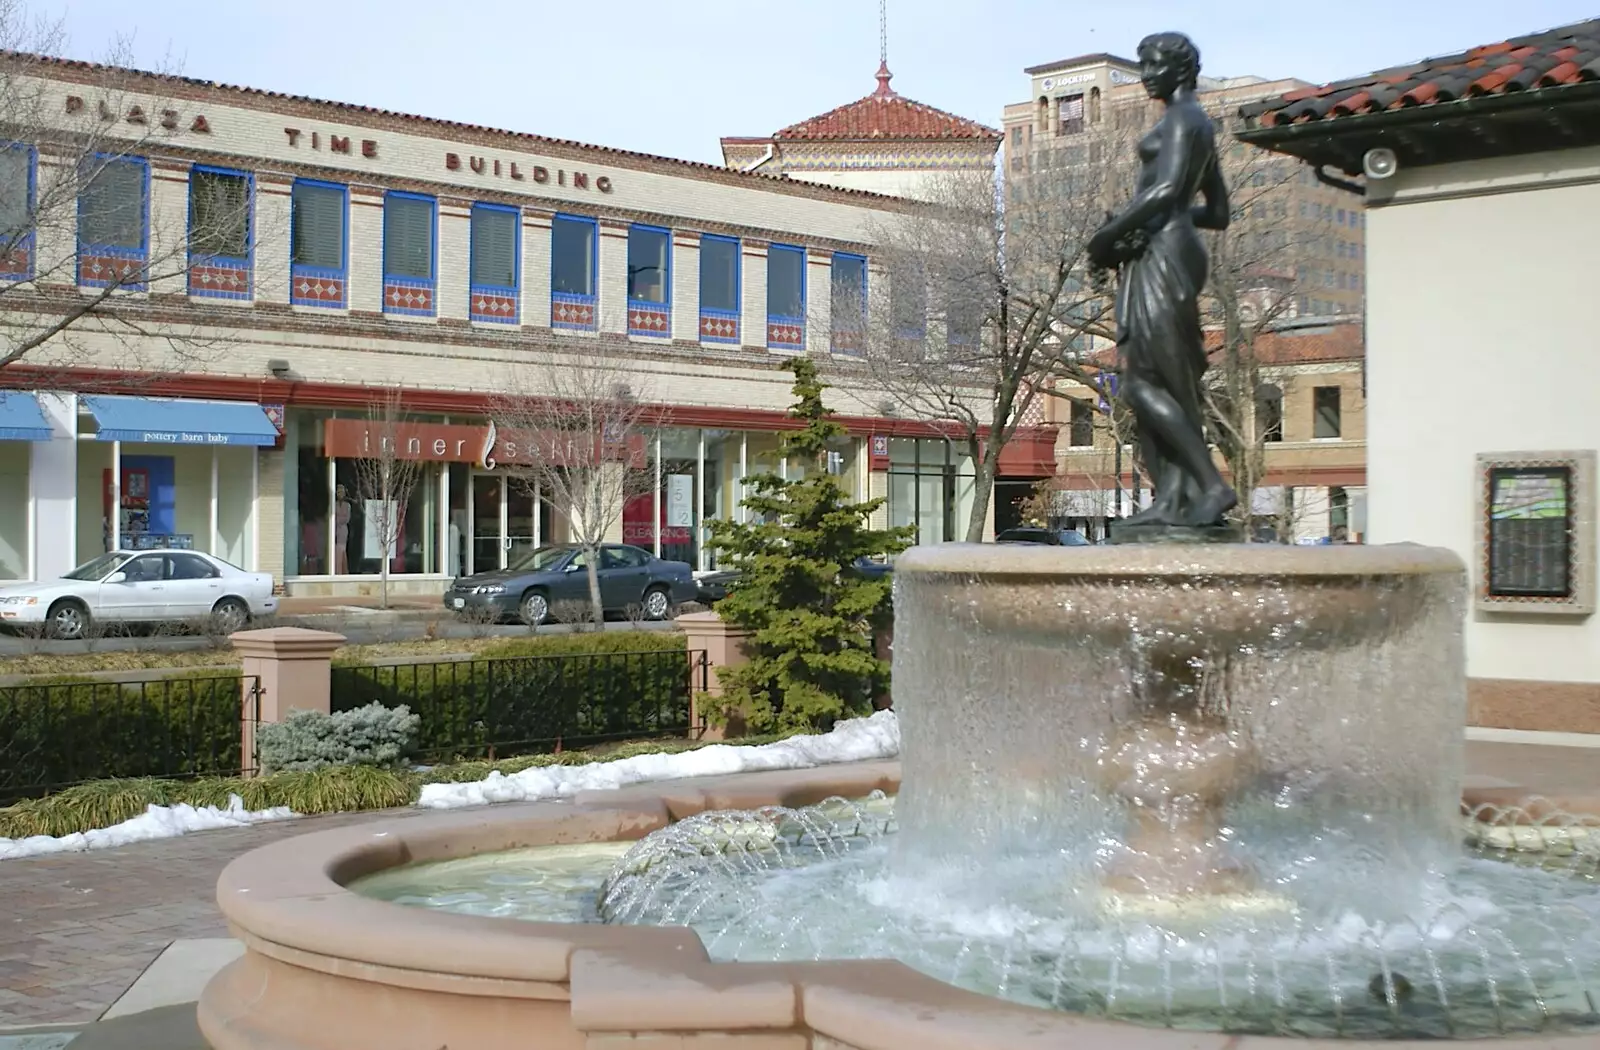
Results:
1312 231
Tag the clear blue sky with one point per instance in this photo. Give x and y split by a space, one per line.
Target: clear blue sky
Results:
672 76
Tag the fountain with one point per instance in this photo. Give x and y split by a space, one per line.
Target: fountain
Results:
1209 788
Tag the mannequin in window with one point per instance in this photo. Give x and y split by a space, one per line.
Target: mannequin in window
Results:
341 530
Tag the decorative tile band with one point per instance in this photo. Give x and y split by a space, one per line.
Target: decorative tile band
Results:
571 311
649 319
719 326
496 305
17 262
410 296
101 268
219 280
785 333
309 286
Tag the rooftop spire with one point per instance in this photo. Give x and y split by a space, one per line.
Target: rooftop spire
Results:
884 76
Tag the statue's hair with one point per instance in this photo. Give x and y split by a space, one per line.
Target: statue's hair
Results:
1179 48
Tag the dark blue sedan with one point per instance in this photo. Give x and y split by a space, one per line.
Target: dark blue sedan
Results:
630 578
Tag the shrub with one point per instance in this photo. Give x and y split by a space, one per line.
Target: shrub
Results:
533 694
373 735
64 729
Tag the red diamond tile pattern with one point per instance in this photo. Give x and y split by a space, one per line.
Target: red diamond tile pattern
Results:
788 336
500 307
719 329
1552 59
644 319
318 291
407 298
572 315
222 282
97 271
846 341
17 261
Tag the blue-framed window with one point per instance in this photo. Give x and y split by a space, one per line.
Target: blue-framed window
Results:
719 289
848 303
220 232
410 253
19 188
319 243
649 281
114 222
786 297
495 264
574 272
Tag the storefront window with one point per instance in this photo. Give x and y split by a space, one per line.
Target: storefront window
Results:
358 543
931 487
14 510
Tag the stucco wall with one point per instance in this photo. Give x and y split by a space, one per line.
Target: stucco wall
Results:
1481 337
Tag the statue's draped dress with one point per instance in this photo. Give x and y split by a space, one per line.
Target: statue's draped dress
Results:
1158 308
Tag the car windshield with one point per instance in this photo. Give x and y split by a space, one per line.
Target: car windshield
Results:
542 560
97 568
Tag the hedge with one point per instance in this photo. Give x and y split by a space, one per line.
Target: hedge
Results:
64 729
534 694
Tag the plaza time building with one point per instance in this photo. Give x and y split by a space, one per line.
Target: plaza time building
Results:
391 251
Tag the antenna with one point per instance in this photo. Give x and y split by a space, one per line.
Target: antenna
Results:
884 90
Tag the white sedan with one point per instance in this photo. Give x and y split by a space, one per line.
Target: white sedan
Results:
157 586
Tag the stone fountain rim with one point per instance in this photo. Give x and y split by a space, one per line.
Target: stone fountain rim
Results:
289 904
1144 561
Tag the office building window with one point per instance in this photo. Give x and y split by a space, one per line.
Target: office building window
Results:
719 289
494 267
1325 412
318 243
786 297
219 233
573 273
408 254
1072 114
649 281
114 223
1269 412
18 190
848 303
1080 431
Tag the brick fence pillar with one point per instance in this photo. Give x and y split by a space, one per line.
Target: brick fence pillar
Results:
293 668
723 645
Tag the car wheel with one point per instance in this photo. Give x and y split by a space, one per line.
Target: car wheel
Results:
657 603
535 608
67 621
230 615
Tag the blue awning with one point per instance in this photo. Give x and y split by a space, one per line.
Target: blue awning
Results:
21 418
174 421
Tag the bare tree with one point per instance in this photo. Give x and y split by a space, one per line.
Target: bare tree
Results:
386 478
987 301
83 234
573 430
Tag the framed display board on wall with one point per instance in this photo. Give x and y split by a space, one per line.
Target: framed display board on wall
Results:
1536 532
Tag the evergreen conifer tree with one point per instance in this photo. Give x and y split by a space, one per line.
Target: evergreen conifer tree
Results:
811 611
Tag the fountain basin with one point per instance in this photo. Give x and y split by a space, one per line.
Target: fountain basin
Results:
325 968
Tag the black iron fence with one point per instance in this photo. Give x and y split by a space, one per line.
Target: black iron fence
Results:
61 732
518 705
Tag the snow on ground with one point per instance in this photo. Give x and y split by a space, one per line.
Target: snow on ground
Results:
157 822
855 740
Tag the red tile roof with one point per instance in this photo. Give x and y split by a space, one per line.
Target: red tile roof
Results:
1339 341
1540 61
884 115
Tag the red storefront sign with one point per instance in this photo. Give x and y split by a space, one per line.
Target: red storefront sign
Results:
487 446
636 515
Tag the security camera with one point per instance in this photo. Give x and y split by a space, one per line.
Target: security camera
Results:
278 367
1380 163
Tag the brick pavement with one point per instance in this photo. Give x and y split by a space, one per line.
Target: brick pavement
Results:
77 929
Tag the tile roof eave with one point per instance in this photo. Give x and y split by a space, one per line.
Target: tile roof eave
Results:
1271 136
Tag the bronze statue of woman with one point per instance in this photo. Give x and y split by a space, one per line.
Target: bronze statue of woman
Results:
1155 244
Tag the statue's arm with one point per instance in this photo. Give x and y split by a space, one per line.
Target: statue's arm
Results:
1214 211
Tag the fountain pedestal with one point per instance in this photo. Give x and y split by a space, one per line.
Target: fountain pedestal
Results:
1134 688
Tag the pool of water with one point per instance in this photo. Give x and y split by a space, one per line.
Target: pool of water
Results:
1507 944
